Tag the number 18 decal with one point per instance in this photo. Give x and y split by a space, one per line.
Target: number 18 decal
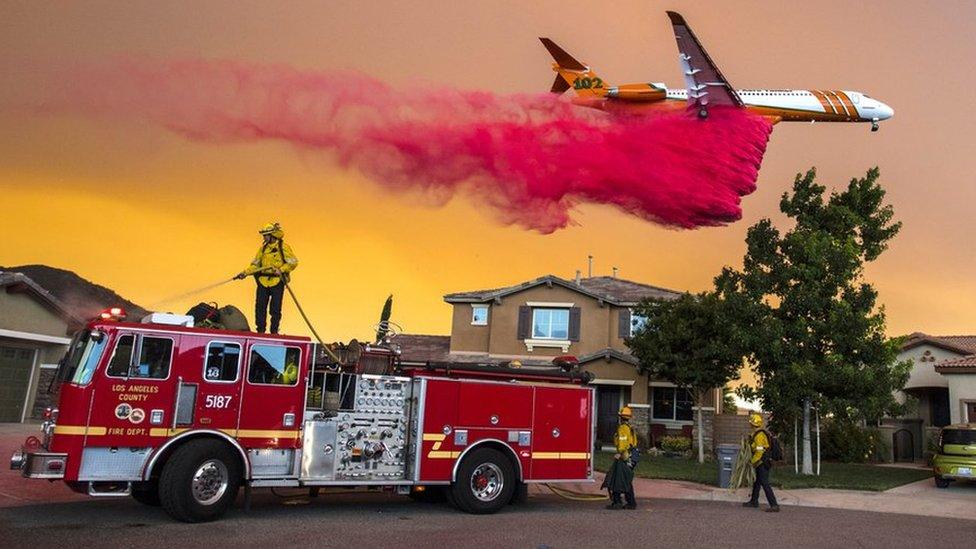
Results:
217 401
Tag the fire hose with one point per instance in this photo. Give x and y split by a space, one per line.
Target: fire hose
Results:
573 495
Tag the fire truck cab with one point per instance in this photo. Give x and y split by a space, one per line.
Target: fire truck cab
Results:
182 417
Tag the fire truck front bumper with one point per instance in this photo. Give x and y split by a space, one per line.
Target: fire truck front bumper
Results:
33 464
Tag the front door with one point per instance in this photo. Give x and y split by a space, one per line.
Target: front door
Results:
971 412
607 408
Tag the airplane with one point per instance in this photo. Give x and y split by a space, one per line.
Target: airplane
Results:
707 88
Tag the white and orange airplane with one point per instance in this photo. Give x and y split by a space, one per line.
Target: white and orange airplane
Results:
706 87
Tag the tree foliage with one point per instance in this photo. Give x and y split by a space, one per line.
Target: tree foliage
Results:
817 333
691 341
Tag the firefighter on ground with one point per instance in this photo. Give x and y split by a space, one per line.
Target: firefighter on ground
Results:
270 269
620 478
760 442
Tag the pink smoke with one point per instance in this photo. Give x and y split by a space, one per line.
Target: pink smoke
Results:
532 158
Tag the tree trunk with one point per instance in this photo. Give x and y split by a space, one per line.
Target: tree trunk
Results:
701 437
807 452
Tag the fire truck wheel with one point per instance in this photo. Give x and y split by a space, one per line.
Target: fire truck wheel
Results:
485 482
146 493
200 481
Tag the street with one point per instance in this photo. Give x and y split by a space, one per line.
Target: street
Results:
382 520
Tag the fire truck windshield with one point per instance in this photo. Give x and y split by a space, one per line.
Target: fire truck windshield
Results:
82 357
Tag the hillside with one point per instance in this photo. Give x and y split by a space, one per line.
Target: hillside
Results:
81 297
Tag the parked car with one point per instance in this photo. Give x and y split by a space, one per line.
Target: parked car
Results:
957 454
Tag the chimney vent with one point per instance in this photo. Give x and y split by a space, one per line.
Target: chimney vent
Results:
578 276
589 272
614 272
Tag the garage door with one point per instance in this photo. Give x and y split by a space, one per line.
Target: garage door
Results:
15 374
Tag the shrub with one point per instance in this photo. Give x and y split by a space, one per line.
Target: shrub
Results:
848 442
678 445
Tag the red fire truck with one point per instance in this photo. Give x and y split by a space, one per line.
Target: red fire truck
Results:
183 416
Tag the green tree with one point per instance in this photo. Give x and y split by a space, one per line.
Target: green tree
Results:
817 336
691 342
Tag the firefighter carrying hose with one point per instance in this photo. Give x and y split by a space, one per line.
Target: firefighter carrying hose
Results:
270 269
762 445
620 478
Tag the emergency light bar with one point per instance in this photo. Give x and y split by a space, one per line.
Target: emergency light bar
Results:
113 313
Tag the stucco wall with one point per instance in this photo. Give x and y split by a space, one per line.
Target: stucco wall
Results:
619 370
962 388
923 373
22 313
466 337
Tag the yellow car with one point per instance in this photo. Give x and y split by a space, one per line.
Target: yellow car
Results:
957 454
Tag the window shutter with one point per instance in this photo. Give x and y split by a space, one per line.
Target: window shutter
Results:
524 321
574 324
623 326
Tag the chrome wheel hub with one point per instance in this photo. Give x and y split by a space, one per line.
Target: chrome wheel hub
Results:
487 482
210 482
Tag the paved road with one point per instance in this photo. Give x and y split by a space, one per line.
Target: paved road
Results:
381 520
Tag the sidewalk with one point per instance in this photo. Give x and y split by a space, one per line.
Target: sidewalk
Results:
918 498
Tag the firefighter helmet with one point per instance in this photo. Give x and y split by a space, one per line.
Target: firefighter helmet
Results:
755 420
272 229
625 412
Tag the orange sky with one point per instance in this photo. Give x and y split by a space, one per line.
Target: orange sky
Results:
151 215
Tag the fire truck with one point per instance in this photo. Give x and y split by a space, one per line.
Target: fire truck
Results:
183 417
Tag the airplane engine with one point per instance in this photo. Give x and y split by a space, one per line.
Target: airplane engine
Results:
636 93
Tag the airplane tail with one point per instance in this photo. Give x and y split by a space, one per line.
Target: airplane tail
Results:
570 73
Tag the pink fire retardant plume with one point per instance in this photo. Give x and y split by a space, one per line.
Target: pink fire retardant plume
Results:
532 158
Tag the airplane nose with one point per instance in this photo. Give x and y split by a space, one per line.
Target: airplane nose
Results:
885 112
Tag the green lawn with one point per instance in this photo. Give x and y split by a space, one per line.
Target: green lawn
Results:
849 476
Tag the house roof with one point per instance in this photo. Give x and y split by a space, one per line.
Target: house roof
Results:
616 291
15 282
416 348
961 344
963 365
607 354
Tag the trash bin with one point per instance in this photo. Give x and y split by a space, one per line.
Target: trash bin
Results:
727 455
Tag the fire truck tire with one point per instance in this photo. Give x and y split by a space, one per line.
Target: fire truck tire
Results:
200 481
521 494
485 482
146 493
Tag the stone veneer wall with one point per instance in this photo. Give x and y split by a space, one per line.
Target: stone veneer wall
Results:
42 398
641 423
708 430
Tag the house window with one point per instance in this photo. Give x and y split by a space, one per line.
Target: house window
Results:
550 324
479 315
636 322
671 404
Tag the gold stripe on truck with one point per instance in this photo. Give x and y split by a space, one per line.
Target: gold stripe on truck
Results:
560 455
79 430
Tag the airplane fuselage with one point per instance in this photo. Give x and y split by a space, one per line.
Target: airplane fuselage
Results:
776 105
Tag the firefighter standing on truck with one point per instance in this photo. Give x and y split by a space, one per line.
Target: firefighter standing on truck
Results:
270 269
761 445
620 478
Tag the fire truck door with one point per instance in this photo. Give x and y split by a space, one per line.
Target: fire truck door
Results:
561 443
219 400
273 397
137 410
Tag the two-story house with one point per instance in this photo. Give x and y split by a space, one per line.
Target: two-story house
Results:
590 318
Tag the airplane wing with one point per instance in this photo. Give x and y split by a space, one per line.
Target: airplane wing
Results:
706 85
